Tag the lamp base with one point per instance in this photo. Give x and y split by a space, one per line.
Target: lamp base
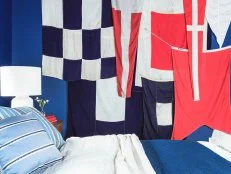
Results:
22 101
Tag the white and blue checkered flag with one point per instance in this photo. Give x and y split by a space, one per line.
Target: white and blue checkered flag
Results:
78 40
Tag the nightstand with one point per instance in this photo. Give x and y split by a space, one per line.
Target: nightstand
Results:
58 125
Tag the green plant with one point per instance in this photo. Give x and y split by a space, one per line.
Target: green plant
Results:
41 102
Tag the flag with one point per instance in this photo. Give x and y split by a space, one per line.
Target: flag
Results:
162 26
126 20
158 104
219 20
78 40
96 109
204 100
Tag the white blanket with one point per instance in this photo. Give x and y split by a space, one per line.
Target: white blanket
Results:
110 154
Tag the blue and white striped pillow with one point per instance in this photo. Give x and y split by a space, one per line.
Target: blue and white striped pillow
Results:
25 146
52 132
6 112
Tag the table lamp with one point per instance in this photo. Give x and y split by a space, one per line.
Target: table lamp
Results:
20 82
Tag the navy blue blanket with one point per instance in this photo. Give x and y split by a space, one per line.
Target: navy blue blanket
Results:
184 157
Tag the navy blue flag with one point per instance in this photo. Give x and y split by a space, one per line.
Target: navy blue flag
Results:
158 105
96 109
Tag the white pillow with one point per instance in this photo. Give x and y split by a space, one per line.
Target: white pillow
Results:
221 139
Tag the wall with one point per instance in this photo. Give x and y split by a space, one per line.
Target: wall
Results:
5 39
27 50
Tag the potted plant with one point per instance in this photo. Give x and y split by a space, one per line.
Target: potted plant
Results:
42 102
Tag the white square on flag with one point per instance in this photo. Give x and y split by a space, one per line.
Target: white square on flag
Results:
52 11
109 106
107 42
52 67
91 69
164 114
72 44
91 14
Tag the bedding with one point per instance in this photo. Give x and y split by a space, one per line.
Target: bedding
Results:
110 154
184 157
6 112
25 146
216 149
221 139
54 135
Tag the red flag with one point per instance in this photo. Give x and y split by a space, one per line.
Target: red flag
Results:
202 80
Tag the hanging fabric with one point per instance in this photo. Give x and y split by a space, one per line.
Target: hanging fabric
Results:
158 104
78 40
162 26
157 34
202 79
79 47
218 14
126 20
168 23
94 108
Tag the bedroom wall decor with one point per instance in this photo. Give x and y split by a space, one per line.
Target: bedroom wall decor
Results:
160 30
26 49
92 108
126 23
204 76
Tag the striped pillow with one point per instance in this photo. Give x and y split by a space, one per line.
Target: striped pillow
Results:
25 146
6 112
52 132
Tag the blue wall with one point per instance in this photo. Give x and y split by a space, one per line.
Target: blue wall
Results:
5 32
5 39
23 35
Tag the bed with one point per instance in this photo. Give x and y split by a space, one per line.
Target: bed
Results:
21 152
164 156
184 157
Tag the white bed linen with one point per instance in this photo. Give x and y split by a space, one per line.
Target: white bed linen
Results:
221 139
110 154
223 153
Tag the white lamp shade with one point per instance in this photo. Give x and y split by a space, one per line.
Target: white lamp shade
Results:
20 81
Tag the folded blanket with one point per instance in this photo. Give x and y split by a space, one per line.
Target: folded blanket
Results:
184 157
111 154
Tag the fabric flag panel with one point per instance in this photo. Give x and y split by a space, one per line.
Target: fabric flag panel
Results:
96 109
157 34
78 40
212 69
168 29
162 26
218 14
214 45
158 103
126 20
